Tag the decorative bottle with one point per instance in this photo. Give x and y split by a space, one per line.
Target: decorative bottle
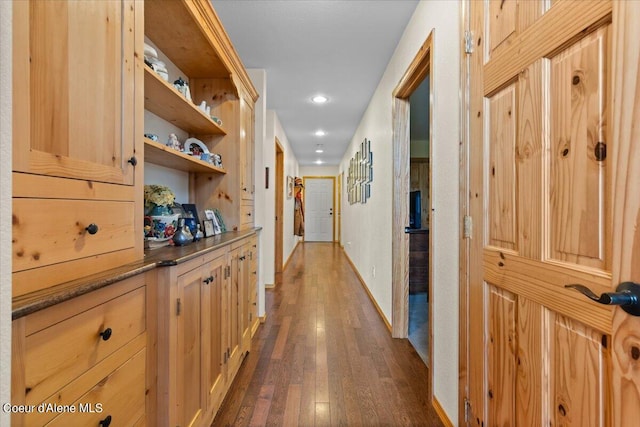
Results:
182 235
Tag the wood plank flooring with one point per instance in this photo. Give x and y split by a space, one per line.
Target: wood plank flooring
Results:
324 356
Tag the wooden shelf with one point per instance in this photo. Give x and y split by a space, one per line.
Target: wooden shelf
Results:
160 154
164 100
178 30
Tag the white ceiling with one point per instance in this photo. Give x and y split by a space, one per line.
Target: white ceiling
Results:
338 48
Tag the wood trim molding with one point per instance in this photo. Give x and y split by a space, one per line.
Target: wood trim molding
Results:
366 289
400 209
417 71
463 288
413 76
441 413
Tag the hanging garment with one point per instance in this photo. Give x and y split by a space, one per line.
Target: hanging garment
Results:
298 214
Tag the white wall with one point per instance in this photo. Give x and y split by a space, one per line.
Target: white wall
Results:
5 207
318 171
291 168
367 227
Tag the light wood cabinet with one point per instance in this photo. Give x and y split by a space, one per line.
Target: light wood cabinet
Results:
88 353
76 149
204 332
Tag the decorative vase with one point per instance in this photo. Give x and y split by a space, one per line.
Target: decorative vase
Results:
164 225
182 235
160 210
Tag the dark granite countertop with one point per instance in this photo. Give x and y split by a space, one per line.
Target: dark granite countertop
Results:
167 256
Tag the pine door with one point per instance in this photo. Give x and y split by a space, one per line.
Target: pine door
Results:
74 90
555 200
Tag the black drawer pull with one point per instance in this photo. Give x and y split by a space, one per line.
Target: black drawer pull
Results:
106 422
92 228
106 334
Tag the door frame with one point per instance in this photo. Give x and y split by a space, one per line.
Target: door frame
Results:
333 200
421 67
279 212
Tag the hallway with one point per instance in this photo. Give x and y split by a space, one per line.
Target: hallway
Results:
325 357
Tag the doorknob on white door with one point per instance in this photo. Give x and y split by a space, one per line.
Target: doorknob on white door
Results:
627 296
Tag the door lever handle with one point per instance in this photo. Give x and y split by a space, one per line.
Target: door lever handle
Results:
627 296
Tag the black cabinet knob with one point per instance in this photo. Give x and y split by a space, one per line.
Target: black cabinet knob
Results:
133 161
106 334
106 422
92 228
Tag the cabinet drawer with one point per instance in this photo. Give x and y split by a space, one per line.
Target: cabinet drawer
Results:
56 355
50 231
246 213
120 395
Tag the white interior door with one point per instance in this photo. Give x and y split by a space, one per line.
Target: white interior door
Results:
318 202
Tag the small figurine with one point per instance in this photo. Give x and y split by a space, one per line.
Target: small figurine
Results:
173 142
183 88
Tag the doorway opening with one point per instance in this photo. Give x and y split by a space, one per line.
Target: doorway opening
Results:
279 217
419 172
418 72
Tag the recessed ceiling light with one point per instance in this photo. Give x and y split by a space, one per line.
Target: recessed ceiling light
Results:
319 148
319 99
320 133
318 162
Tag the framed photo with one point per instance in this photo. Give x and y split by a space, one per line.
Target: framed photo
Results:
189 208
209 214
289 187
208 228
217 229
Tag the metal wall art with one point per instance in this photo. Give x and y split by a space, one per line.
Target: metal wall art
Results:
360 174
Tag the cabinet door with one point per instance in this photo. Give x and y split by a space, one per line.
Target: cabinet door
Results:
253 284
245 304
247 148
234 332
74 88
190 397
212 330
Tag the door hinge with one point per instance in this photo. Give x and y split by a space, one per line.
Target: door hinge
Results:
468 41
178 307
467 410
468 227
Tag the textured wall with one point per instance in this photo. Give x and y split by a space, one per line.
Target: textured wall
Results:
5 207
367 227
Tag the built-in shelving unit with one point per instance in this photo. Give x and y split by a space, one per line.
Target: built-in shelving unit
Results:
159 154
164 100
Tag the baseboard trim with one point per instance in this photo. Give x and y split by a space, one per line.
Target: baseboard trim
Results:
441 413
263 318
269 285
286 264
366 289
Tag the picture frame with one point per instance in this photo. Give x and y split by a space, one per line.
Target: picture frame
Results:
209 214
208 228
217 229
289 186
191 208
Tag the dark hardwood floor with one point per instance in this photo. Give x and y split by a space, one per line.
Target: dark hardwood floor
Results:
325 357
